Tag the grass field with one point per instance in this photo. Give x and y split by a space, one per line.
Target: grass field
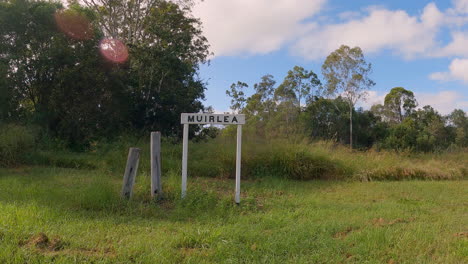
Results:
58 215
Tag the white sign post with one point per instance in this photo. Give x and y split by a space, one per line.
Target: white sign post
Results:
216 119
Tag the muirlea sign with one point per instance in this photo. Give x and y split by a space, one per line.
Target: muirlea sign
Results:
215 119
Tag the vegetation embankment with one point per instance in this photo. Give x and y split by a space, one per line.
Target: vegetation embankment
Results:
296 159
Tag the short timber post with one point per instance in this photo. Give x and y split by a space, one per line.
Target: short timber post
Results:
156 190
238 162
130 172
184 159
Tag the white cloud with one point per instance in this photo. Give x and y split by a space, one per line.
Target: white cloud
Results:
380 29
458 46
458 70
250 27
461 6
373 97
245 27
444 101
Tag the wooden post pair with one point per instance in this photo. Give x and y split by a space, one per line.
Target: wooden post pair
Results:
132 167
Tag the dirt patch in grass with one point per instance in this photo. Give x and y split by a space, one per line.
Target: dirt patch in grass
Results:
44 245
187 252
461 234
343 234
382 222
42 242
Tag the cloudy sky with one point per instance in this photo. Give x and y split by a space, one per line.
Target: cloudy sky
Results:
417 44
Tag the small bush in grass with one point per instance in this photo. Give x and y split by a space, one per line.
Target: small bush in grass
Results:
16 142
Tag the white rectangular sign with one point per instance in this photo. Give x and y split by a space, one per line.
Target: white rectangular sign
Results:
216 119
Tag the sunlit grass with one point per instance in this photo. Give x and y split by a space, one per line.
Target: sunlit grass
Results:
278 221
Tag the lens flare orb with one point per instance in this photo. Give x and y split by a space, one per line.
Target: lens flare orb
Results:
113 50
74 25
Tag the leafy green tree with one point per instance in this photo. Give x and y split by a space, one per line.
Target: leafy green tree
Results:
402 136
399 104
237 95
57 77
380 111
163 67
266 90
424 130
459 121
54 79
262 103
347 74
327 119
298 85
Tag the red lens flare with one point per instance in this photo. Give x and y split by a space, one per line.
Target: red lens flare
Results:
74 25
114 50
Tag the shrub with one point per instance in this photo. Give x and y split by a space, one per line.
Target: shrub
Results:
16 142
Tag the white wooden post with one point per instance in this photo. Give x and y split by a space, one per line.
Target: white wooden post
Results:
238 162
184 159
156 189
130 172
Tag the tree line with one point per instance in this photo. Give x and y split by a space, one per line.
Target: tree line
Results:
302 104
93 69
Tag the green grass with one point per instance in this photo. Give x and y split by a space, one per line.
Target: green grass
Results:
278 221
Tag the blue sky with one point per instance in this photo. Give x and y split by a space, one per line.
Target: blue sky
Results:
420 45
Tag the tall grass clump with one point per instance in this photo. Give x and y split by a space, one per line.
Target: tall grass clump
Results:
263 159
16 142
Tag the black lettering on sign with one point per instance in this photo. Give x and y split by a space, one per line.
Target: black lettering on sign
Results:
234 119
226 119
191 118
211 118
218 119
199 118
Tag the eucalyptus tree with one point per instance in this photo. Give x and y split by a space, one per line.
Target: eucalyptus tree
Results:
459 120
263 99
298 85
238 99
399 104
347 74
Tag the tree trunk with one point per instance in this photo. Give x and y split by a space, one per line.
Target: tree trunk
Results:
351 127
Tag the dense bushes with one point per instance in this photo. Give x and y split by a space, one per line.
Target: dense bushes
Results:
16 142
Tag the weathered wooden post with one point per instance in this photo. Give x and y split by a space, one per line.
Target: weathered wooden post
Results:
156 190
130 172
